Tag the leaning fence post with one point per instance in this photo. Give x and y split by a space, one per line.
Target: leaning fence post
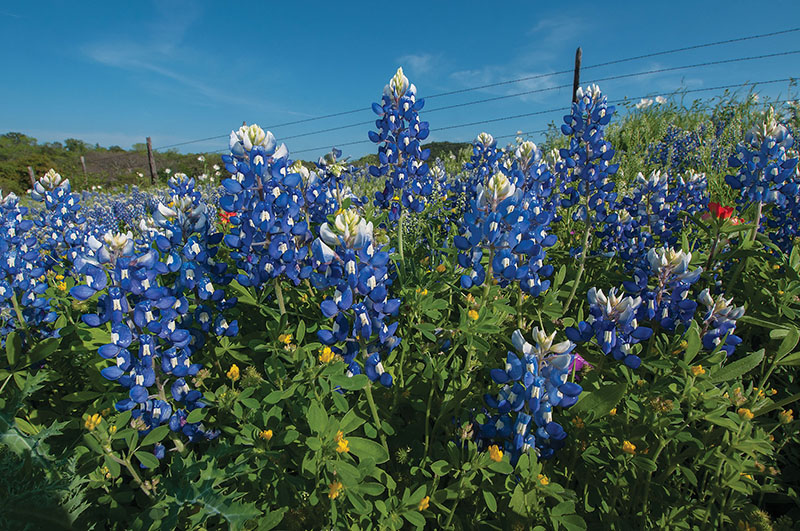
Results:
576 80
151 161
32 175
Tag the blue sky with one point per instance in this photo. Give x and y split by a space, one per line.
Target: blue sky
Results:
114 72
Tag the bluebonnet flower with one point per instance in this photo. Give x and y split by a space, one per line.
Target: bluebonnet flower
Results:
719 322
402 159
60 221
765 171
151 343
269 232
23 306
584 167
666 301
347 261
613 325
509 221
520 417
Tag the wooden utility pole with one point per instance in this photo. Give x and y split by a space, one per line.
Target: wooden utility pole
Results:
32 175
576 80
151 161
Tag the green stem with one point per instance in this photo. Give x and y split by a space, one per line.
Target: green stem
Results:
18 311
584 252
455 504
279 296
758 221
10 375
375 417
127 464
427 420
400 238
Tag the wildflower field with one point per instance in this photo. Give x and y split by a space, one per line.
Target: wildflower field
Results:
596 333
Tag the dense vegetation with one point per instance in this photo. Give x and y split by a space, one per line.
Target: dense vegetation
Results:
514 337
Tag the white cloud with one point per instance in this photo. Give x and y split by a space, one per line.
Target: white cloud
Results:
418 64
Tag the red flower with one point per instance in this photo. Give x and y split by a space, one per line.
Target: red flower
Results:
719 211
225 216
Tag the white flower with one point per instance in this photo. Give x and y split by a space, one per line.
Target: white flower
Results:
644 103
168 171
201 158
661 99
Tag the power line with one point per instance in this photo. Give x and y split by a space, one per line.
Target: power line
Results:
517 80
535 113
558 87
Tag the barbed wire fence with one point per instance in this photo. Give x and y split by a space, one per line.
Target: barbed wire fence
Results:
127 162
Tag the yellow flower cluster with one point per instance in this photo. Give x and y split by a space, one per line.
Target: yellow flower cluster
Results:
697 370
744 413
472 314
334 489
286 339
629 448
93 421
233 373
326 356
422 292
495 453
424 503
441 268
786 416
265 434
342 445
544 480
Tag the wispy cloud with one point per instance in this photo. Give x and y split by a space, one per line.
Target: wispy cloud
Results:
418 64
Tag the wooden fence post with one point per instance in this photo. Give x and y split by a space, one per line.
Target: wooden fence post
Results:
576 80
32 175
151 161
85 176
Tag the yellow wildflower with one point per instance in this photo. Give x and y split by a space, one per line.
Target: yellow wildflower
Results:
265 434
233 373
343 446
697 370
59 277
61 286
285 338
441 268
786 416
744 413
424 503
326 356
472 314
544 480
780 292
629 448
334 489
112 430
93 421
495 453
613 412
776 266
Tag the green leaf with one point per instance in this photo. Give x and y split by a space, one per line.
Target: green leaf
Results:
13 347
368 449
415 518
301 332
491 503
738 368
80 396
42 350
317 417
196 415
502 467
147 459
157 435
693 343
354 383
788 343
440 467
600 402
